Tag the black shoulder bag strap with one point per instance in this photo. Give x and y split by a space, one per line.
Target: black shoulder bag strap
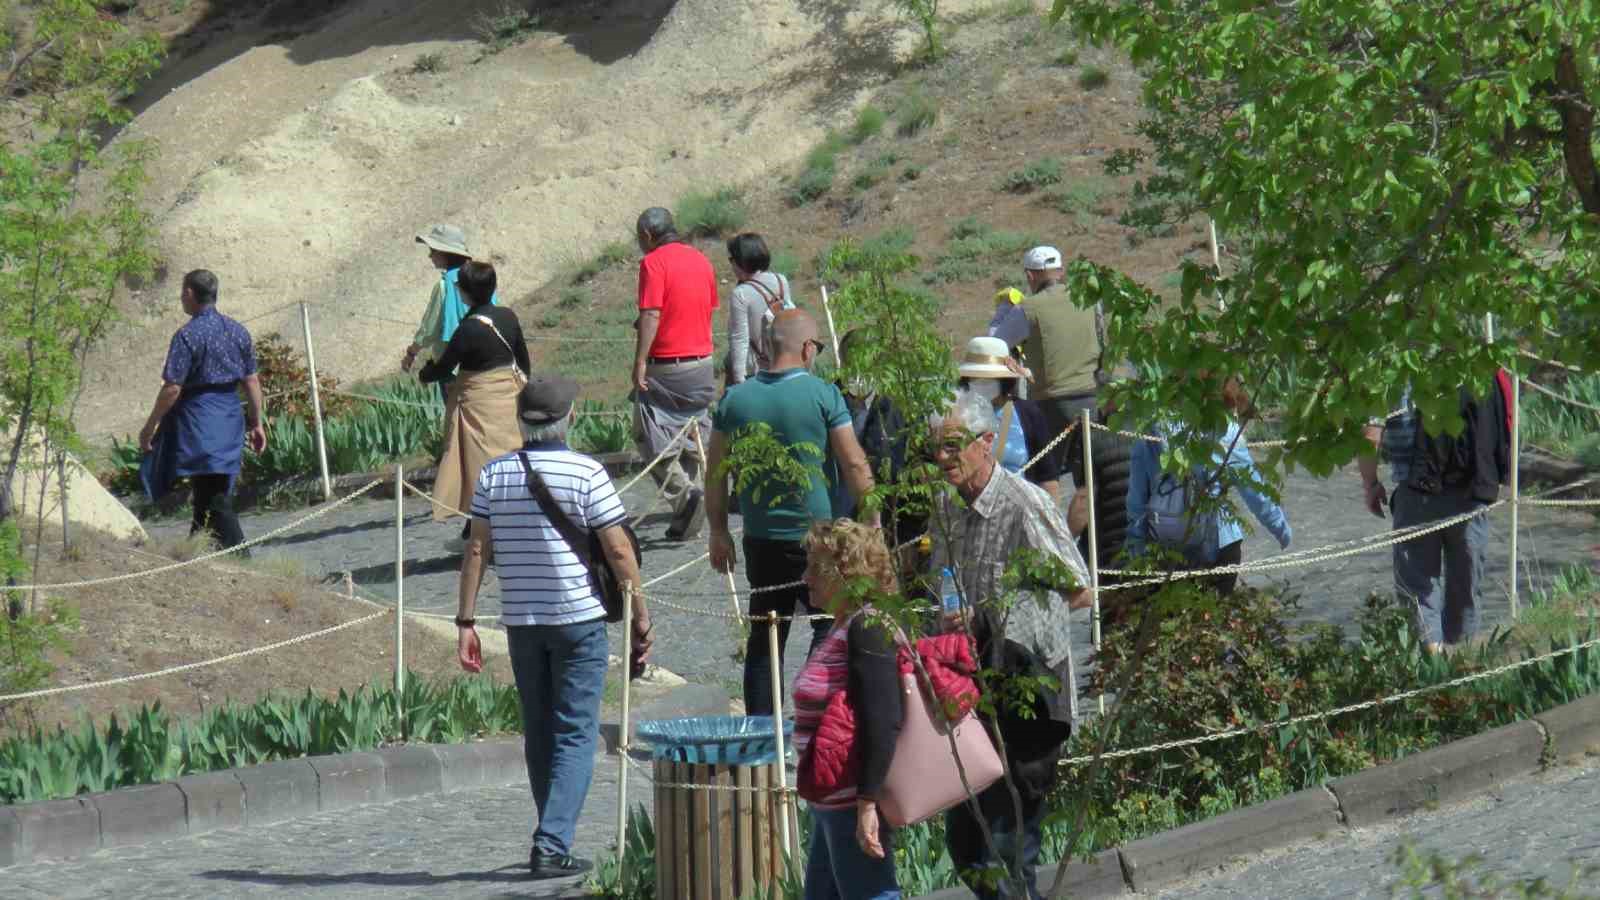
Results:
558 517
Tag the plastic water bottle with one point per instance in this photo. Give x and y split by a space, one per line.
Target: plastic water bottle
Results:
949 593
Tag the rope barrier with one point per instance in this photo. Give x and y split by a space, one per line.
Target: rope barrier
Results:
1331 713
187 667
1561 397
130 576
1157 439
271 312
672 449
1275 562
1550 362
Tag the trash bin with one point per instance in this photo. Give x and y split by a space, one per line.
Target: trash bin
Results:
716 843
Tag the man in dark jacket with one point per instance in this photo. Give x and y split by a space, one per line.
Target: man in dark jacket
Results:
1439 477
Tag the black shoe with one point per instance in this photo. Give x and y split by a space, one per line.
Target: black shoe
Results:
687 521
542 865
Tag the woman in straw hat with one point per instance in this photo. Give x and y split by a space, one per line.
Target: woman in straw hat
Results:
1024 430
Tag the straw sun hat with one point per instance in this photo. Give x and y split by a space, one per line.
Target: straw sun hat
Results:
985 358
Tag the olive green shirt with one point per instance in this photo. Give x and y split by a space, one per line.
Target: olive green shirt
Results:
1063 345
430 331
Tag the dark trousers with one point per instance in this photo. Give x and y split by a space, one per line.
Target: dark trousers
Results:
766 563
213 510
975 864
1231 555
1061 413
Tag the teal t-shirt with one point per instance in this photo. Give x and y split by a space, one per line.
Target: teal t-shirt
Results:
801 409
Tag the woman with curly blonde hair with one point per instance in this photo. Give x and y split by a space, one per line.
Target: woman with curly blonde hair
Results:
847 564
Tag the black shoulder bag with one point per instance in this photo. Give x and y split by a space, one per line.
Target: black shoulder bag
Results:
585 545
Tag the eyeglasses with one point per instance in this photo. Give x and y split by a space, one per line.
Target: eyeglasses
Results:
819 345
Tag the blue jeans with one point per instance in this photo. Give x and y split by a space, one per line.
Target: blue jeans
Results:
837 869
1440 574
561 674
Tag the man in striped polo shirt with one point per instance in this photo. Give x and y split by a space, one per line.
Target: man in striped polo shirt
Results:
555 622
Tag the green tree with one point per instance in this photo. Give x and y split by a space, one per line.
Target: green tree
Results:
1390 175
71 225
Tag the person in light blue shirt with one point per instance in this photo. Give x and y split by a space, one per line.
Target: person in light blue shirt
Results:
1216 540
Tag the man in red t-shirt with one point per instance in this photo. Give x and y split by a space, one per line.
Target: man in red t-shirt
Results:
674 380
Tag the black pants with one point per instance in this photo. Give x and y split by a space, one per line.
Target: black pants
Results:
970 853
766 563
213 510
1231 555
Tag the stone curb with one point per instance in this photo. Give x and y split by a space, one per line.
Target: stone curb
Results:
285 789
1446 774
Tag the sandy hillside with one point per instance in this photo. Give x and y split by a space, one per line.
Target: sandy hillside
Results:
303 169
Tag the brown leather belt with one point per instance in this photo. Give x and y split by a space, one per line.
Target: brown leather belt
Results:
671 360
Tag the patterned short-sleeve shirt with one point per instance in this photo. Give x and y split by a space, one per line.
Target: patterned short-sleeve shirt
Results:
211 349
1007 515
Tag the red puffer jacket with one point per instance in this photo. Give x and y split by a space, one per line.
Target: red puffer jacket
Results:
831 762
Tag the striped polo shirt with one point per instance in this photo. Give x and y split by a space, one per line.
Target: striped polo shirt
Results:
542 582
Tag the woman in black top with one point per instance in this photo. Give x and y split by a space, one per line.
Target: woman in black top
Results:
480 413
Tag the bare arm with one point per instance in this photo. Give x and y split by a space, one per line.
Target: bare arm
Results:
166 399
1373 493
719 539
469 651
619 554
649 324
255 420
852 460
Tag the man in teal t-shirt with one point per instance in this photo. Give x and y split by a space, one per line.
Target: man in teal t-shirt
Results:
809 418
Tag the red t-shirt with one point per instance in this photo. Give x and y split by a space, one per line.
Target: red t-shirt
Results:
678 280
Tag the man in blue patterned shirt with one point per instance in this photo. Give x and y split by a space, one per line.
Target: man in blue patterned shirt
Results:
196 428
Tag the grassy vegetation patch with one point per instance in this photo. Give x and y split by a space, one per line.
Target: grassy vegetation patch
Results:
816 178
915 113
610 256
713 214
507 26
428 64
875 172
975 249
869 121
1038 174
1093 78
1081 195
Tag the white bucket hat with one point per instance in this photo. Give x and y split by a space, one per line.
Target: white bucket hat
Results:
986 358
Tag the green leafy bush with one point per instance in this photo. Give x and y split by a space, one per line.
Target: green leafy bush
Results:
816 178
711 214
1043 173
1067 58
1084 195
974 250
601 433
367 438
153 747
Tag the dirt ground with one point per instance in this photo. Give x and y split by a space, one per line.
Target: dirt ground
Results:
205 611
299 162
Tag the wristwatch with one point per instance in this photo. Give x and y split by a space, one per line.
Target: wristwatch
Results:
465 623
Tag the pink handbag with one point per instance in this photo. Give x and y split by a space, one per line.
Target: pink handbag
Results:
923 780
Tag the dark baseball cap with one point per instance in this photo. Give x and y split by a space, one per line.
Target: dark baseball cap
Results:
546 398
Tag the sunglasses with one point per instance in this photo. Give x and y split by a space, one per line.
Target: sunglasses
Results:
819 345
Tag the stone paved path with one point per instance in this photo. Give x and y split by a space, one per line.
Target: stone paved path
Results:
468 845
1540 826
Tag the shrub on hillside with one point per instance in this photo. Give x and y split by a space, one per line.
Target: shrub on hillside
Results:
711 214
1093 78
1035 175
915 113
869 121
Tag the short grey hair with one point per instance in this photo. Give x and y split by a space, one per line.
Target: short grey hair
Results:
656 223
973 412
547 433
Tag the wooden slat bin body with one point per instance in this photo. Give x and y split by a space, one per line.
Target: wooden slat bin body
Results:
719 844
